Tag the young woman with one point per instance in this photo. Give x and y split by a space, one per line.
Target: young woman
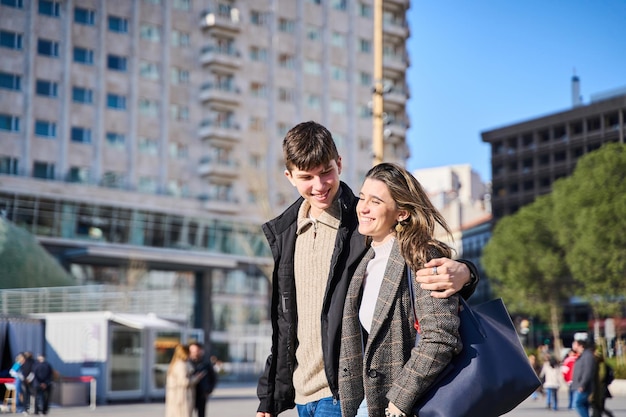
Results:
382 371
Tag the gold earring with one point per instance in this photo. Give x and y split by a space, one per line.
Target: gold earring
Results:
399 227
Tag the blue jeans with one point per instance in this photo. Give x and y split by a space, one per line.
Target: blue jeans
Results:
551 398
581 403
326 407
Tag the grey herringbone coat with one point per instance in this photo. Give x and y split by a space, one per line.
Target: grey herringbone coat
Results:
392 368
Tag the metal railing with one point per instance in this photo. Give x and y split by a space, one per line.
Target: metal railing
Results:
165 302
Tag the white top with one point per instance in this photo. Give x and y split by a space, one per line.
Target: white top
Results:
372 281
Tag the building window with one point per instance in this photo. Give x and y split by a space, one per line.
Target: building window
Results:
286 61
258 54
258 18
115 140
10 40
313 33
10 81
179 112
314 101
9 123
258 89
257 124
178 150
46 88
179 76
47 47
84 16
286 25
118 24
338 106
115 101
80 135
286 95
365 112
312 67
149 70
338 73
8 165
339 4
150 32
116 62
43 170
148 146
82 95
147 185
184 5
18 4
49 8
365 46
366 10
78 174
338 39
45 128
112 179
180 38
83 55
365 79
149 107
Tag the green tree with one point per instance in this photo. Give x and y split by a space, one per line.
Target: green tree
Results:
526 265
24 263
590 208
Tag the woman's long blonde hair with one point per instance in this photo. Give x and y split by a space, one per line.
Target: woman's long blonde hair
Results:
181 353
416 239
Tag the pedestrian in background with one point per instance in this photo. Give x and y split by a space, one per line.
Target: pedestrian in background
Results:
44 375
180 384
550 374
601 388
28 388
18 377
583 380
567 369
207 383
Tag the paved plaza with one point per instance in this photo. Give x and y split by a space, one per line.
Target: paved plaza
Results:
240 401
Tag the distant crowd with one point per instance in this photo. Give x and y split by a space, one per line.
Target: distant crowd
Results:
583 370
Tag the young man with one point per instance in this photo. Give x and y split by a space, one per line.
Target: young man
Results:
316 248
584 375
206 385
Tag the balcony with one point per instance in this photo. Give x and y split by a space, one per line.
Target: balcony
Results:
396 63
397 29
395 131
225 19
228 205
226 57
397 96
220 93
404 3
226 131
218 168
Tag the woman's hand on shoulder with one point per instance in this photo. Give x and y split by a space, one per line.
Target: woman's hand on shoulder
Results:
443 277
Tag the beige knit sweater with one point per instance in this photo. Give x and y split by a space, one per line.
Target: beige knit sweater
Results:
313 253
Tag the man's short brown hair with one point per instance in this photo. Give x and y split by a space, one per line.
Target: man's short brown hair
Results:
308 145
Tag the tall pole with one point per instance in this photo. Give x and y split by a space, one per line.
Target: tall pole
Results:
377 100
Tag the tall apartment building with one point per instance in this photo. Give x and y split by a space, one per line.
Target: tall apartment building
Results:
527 157
145 135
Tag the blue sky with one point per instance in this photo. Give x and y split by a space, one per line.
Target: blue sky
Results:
482 64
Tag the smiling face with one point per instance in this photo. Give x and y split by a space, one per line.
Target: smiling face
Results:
318 186
377 211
